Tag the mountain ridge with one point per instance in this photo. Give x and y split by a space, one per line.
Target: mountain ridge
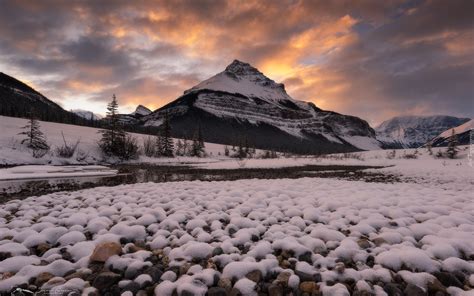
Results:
241 97
412 131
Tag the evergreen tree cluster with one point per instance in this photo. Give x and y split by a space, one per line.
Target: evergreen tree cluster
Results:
115 142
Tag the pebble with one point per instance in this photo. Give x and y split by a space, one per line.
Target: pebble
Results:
105 280
104 250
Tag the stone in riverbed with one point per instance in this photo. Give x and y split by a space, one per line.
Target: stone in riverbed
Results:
275 290
393 289
106 280
283 277
448 279
225 283
436 287
216 291
414 290
363 243
104 250
309 287
43 278
255 275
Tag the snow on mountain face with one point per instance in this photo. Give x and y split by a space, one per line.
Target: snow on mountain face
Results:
245 95
246 80
414 131
468 126
134 117
86 114
462 132
141 111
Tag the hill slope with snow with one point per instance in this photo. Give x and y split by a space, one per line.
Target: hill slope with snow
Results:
414 131
19 100
462 132
13 153
241 102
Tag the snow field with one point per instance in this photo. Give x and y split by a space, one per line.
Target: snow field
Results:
344 235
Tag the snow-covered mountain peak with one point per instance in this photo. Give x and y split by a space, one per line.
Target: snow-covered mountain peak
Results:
242 78
141 110
239 68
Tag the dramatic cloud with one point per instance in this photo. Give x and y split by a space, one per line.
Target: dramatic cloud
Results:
373 59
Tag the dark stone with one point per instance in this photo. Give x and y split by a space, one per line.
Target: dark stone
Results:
216 291
132 287
217 251
393 289
448 279
275 290
5 255
413 290
435 287
154 272
105 280
255 276
306 256
370 261
304 277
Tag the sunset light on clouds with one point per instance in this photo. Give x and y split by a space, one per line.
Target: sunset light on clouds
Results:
372 59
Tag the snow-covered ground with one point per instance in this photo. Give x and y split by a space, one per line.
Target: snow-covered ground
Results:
309 235
13 153
48 171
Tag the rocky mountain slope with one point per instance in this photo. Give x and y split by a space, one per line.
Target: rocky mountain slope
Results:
462 132
414 131
134 117
18 99
89 115
242 104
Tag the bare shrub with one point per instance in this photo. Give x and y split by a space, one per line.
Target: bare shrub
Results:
129 148
149 147
67 150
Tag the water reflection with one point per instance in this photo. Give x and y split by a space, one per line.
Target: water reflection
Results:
130 174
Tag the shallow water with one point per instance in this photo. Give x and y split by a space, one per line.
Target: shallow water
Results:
130 174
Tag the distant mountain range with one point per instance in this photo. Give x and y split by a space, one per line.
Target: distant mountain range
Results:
242 104
414 131
89 115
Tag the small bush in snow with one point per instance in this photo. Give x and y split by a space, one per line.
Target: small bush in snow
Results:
392 154
410 156
67 150
149 146
130 148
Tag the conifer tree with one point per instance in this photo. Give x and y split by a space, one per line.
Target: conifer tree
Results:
197 148
185 146
452 149
167 142
179 148
35 139
429 145
113 136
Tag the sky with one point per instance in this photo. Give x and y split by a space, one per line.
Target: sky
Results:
372 59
